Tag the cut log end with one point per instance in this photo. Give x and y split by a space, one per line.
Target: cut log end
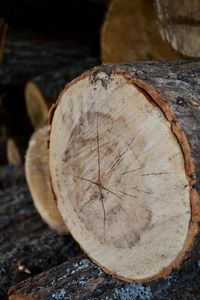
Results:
38 178
36 105
119 175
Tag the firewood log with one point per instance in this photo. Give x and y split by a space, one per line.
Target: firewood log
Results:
124 165
38 178
130 33
178 23
3 30
80 279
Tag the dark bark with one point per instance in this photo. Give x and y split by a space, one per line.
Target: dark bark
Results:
81 279
27 56
26 241
52 83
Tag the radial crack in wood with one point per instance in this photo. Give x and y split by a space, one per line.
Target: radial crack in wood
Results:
122 169
38 178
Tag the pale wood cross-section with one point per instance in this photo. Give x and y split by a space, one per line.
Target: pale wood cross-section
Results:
38 179
118 172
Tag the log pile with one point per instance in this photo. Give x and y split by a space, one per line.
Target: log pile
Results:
116 170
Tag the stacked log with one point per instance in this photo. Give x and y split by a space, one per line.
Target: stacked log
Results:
118 132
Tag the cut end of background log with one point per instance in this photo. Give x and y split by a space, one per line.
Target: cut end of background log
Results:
178 23
36 104
13 153
130 33
38 178
121 168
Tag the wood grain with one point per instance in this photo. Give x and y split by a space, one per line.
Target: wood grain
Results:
123 164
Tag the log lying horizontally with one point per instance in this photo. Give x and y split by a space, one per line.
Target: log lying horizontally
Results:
124 164
38 178
25 241
130 33
81 279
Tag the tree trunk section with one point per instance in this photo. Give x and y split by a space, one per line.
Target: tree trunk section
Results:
27 246
38 179
81 279
130 33
179 25
118 133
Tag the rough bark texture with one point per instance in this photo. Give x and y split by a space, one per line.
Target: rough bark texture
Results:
81 279
26 56
179 25
26 241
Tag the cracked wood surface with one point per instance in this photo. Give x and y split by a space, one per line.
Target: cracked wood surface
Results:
38 179
122 166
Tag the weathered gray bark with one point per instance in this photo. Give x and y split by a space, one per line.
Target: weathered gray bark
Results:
25 240
27 56
81 279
